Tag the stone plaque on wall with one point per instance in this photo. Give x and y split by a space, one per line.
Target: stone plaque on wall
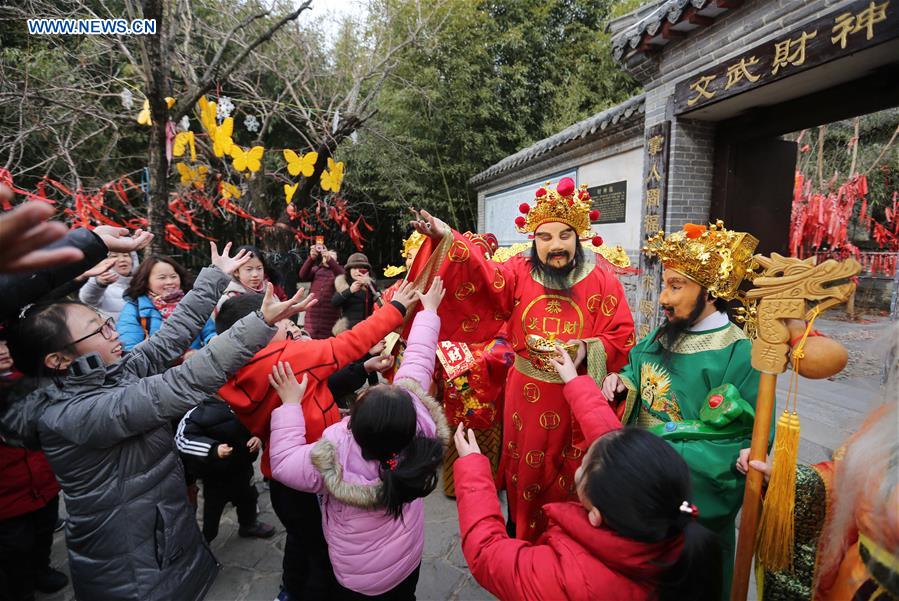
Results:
611 201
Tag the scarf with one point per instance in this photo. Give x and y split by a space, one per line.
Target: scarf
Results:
166 304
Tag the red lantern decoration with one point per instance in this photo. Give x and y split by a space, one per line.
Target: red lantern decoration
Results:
524 208
594 215
597 240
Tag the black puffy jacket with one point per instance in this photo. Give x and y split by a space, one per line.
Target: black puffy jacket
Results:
202 430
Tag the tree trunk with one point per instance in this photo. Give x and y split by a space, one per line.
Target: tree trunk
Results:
157 85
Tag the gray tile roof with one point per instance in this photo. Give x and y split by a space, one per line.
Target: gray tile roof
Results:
671 11
620 115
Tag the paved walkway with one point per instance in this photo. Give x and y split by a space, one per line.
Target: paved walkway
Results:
830 411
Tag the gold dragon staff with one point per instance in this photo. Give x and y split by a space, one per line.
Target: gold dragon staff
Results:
784 289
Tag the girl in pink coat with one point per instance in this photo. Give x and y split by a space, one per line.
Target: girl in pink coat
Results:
372 468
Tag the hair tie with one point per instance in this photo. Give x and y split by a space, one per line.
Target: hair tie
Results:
690 509
391 463
25 310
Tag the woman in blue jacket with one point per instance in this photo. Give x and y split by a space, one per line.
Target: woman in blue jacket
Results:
156 288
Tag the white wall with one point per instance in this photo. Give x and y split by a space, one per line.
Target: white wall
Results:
501 208
626 166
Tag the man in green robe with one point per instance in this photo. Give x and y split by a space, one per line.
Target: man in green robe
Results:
690 380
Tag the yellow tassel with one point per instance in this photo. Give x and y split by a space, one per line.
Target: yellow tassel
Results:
775 541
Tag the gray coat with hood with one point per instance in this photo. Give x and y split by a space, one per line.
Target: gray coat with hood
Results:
131 533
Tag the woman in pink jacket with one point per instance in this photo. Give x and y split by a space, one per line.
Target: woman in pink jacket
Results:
372 468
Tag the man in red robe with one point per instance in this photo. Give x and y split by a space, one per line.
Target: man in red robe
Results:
559 293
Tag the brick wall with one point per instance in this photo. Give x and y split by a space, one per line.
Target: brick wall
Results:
692 142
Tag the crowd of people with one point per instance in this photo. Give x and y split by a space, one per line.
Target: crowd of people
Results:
124 381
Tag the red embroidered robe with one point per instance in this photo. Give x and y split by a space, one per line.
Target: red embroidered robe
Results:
542 443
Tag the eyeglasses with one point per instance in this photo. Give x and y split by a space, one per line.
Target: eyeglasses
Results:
107 330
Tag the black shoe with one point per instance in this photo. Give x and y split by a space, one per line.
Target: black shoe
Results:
51 581
256 530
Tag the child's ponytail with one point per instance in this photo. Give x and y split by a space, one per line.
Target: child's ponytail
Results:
700 554
411 474
383 422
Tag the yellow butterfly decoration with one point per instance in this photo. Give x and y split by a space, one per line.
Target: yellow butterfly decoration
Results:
289 191
297 165
207 115
192 177
222 142
247 159
143 118
332 178
183 141
229 190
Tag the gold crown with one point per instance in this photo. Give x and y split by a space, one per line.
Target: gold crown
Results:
413 242
714 257
566 204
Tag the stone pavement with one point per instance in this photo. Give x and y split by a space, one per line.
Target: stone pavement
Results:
830 411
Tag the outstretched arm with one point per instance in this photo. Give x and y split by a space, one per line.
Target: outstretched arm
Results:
421 349
500 564
290 456
584 396
192 313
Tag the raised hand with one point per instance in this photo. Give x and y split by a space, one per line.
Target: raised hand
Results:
612 386
274 310
564 365
97 270
406 295
24 231
227 263
285 383
107 277
253 444
465 446
379 364
430 300
428 225
117 239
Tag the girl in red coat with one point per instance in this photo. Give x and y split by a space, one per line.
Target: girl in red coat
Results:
633 535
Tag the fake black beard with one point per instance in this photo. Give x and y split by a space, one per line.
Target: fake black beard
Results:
555 278
673 329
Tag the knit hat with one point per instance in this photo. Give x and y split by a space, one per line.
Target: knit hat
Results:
357 260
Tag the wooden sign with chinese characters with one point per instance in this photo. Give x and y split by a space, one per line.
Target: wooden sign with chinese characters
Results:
655 195
611 202
860 25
